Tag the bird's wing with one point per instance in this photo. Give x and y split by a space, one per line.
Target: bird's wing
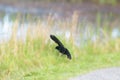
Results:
55 39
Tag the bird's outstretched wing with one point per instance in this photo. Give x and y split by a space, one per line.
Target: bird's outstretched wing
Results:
55 39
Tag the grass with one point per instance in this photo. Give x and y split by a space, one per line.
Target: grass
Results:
36 59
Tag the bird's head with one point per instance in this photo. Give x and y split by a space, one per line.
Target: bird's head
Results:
69 56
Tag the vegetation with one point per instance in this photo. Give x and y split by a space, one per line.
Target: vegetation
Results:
111 2
36 59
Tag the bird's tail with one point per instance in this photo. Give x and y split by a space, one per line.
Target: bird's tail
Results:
55 39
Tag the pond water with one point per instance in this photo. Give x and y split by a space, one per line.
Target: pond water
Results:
9 13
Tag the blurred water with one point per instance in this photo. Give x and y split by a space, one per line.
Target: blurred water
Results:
5 28
6 25
115 33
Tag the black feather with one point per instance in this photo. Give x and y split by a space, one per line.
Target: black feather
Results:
60 47
56 40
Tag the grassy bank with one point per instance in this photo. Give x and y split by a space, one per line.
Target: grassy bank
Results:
36 59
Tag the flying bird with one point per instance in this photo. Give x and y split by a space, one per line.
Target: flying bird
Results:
61 47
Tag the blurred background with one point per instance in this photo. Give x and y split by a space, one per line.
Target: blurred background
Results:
98 13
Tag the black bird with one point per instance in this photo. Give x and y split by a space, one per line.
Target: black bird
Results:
60 47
